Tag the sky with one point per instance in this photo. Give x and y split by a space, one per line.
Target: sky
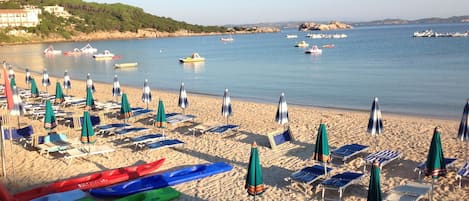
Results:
219 12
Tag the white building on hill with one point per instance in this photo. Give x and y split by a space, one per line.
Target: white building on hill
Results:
19 17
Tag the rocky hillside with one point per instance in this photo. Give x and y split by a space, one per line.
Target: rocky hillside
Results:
311 26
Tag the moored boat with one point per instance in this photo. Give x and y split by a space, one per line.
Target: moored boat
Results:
228 39
302 44
95 180
291 36
328 46
195 57
162 180
105 55
314 50
50 50
88 49
74 52
126 65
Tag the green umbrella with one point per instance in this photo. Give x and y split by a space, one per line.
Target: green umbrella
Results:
254 183
374 188
50 122
59 95
89 99
34 90
87 132
12 82
125 111
435 165
160 119
321 149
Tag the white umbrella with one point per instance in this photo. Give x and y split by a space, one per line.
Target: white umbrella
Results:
67 83
27 77
18 107
282 111
116 88
11 72
45 79
375 122
226 110
146 95
463 131
89 83
182 101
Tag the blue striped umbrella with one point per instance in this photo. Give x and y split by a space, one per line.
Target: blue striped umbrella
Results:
67 83
182 101
226 107
45 79
89 83
282 111
11 72
116 88
27 77
375 123
146 95
18 107
463 132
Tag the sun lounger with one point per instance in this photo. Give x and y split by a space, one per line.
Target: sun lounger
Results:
308 175
347 151
164 144
149 138
140 112
53 142
409 192
340 182
279 137
128 131
23 135
222 128
74 102
421 167
110 127
86 151
203 127
176 118
463 173
383 157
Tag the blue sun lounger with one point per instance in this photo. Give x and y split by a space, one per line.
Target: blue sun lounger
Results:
463 173
110 127
142 140
383 157
340 182
164 144
141 112
222 128
308 175
347 151
421 167
131 130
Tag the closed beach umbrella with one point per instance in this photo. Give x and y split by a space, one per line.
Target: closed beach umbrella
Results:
146 95
435 165
182 101
226 106
45 79
374 187
89 100
254 182
126 110
8 92
18 107
50 122
116 88
321 148
89 83
160 119
59 94
34 90
463 132
67 82
27 77
87 132
11 72
375 123
282 111
12 82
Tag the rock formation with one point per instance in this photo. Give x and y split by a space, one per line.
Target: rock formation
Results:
311 26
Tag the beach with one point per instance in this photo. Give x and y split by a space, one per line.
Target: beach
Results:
411 135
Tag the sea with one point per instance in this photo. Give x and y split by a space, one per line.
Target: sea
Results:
411 76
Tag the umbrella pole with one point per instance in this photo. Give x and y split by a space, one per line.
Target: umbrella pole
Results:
12 161
465 155
18 118
325 169
431 194
4 171
147 105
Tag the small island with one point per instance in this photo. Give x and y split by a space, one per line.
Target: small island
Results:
333 25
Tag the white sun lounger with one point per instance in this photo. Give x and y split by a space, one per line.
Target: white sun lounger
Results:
411 191
86 151
176 118
463 173
383 157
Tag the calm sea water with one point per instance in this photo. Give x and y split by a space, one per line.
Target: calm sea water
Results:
417 76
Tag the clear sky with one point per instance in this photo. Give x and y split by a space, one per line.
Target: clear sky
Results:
218 12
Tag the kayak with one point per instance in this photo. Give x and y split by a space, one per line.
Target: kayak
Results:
162 180
162 194
67 195
95 180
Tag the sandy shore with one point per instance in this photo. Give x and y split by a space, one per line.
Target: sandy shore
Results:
411 135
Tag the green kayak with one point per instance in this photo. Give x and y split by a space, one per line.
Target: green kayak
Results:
161 194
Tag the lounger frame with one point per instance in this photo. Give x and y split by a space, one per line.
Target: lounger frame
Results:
339 189
421 167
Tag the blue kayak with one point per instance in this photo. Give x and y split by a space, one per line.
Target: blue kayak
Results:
162 180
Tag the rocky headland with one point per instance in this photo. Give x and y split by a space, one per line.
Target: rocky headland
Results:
333 25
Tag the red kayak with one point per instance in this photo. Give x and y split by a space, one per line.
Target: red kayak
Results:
95 180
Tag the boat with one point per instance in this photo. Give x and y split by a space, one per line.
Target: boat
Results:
67 195
292 36
162 180
105 55
95 180
126 65
88 49
161 194
228 39
314 50
74 52
302 44
328 46
51 51
195 57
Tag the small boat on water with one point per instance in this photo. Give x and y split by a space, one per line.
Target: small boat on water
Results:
51 51
74 52
126 65
328 46
103 56
292 36
228 39
314 50
88 49
195 57
302 44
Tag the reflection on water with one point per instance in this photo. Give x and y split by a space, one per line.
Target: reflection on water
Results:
196 67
